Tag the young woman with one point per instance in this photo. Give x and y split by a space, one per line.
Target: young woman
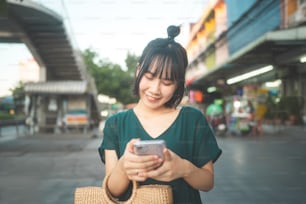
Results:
191 147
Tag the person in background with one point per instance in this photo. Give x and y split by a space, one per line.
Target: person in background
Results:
188 160
255 126
250 108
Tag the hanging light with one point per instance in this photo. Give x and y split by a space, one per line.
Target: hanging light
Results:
272 84
249 75
303 59
211 89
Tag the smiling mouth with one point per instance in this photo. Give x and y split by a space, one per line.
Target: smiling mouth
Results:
152 98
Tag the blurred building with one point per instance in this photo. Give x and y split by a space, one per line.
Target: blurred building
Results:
241 47
28 70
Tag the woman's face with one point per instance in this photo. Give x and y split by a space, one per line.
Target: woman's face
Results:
155 90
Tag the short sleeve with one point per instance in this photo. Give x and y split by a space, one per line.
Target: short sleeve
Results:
110 137
207 147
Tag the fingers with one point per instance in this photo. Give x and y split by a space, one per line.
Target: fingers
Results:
136 175
130 145
143 163
152 164
134 165
155 173
168 170
141 167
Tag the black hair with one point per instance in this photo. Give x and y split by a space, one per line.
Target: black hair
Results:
171 59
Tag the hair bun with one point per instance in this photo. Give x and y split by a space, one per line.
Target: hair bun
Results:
173 31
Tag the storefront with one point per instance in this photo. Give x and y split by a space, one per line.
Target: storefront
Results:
58 107
250 56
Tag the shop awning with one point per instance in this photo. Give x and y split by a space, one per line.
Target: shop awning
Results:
57 87
282 47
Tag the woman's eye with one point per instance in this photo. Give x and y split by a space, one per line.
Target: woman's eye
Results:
168 83
148 76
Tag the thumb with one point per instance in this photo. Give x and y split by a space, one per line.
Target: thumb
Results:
167 155
130 145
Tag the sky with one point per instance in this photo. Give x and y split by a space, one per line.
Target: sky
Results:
111 28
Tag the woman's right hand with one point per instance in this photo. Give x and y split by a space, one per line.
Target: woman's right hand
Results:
133 164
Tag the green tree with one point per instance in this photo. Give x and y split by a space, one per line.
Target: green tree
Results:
18 94
110 79
131 63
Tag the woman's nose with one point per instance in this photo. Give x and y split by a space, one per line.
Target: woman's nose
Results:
155 86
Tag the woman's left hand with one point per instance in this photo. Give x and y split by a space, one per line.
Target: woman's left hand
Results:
172 168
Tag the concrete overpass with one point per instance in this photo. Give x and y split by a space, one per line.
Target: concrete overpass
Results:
44 33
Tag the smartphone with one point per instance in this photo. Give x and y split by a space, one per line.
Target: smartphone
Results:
147 147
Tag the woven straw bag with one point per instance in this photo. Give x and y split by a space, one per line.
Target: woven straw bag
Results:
145 194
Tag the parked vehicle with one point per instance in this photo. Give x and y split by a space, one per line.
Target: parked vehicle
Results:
218 123
216 118
240 124
239 117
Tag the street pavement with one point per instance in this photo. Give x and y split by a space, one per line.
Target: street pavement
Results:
45 169
263 169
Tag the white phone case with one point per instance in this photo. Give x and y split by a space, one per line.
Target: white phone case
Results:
149 147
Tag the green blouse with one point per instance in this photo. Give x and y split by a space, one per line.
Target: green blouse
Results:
190 136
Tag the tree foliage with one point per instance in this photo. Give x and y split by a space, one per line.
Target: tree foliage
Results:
131 63
110 78
18 96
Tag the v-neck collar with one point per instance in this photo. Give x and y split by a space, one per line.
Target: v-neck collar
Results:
164 132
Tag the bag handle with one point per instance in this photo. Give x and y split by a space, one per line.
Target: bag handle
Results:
109 195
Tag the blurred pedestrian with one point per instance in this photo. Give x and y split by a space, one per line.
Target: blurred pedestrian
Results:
250 109
187 163
255 122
